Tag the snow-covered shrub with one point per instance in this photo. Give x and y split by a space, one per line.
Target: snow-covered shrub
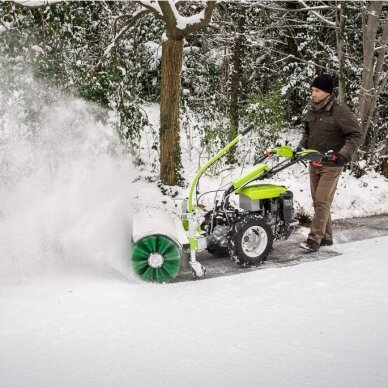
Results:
266 112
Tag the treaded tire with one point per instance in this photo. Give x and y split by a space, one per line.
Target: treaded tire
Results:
218 251
250 240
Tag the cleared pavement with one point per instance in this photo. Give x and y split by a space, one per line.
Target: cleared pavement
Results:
286 253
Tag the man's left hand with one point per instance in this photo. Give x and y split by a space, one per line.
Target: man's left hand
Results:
337 158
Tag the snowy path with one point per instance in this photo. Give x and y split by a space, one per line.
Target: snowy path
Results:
320 324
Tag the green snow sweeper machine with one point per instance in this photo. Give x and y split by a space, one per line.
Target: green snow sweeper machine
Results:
161 241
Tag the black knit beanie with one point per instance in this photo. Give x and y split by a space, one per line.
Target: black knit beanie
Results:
323 82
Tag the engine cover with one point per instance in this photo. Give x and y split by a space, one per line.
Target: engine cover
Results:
251 196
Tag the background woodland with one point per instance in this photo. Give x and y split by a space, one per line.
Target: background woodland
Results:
213 67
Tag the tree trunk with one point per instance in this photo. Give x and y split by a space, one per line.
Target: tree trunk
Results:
170 155
367 90
340 32
172 53
385 159
235 93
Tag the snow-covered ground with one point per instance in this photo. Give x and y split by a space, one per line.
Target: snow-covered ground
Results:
72 313
320 324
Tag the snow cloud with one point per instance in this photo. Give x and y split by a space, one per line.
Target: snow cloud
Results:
64 186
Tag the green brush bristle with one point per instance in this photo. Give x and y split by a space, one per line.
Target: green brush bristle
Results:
163 246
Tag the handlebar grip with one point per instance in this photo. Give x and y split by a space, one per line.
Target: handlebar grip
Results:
247 129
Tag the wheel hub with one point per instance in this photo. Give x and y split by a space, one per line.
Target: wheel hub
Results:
155 260
254 241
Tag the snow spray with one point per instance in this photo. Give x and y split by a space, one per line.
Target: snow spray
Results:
64 185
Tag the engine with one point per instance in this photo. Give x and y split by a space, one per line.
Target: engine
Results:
219 236
282 212
277 212
217 225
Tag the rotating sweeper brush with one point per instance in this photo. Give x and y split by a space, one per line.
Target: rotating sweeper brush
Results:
161 241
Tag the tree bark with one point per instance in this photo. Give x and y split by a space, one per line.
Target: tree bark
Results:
170 164
385 159
172 53
235 88
367 90
340 31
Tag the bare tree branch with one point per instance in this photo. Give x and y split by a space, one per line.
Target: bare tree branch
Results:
178 26
135 17
270 8
369 78
35 3
291 56
4 25
207 13
152 5
382 84
169 17
318 15
381 60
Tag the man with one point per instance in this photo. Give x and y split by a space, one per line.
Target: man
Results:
329 126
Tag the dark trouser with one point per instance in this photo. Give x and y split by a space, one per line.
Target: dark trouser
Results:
323 183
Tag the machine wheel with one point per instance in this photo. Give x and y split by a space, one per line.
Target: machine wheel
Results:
201 275
218 251
250 240
156 258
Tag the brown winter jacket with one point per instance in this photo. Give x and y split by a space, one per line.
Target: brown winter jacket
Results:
332 129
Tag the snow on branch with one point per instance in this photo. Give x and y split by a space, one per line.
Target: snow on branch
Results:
190 24
134 18
4 25
382 83
152 5
290 10
317 14
35 3
178 25
182 22
292 56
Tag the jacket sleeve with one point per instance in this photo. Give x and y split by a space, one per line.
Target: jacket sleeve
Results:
305 136
351 130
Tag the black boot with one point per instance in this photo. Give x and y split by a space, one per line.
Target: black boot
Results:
310 245
326 243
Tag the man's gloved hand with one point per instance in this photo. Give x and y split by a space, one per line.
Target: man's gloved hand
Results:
337 158
296 150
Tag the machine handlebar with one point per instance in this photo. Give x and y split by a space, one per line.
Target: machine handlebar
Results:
247 129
